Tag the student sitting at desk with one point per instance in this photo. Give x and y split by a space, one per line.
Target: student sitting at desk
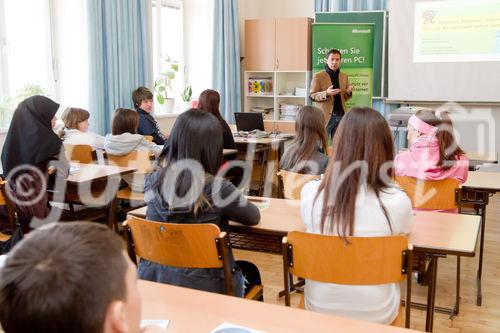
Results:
31 145
70 277
209 101
196 141
124 139
434 153
143 103
76 129
351 208
306 153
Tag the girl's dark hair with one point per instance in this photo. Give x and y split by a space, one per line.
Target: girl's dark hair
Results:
448 146
363 136
124 120
71 118
196 135
309 133
209 101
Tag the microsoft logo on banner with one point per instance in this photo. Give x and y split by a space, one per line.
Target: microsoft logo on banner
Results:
361 31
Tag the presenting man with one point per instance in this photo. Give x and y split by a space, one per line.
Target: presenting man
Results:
330 89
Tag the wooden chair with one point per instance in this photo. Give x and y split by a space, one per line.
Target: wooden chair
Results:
182 245
362 261
148 138
80 153
443 195
142 161
431 194
291 183
9 206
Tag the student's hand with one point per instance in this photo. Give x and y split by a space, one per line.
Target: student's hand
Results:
332 92
51 170
349 89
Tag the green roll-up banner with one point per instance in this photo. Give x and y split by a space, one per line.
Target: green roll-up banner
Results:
355 43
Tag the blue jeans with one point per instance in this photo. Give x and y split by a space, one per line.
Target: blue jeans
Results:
332 125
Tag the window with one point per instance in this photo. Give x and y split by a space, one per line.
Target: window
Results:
39 53
25 53
167 35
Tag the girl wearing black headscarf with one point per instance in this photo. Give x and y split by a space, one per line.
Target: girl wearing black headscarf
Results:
30 145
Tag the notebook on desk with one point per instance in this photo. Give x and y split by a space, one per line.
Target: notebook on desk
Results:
249 121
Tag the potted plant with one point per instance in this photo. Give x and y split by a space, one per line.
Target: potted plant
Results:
164 83
186 97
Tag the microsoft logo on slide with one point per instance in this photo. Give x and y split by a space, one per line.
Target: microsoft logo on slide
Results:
361 31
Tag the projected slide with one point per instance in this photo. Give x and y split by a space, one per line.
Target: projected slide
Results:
457 31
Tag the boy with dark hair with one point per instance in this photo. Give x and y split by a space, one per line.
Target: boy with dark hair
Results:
143 103
70 277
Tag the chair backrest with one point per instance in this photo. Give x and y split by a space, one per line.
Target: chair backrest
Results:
174 244
9 206
148 138
291 183
360 261
430 194
179 245
139 159
80 153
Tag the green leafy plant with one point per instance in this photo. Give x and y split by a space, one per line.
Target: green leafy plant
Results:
164 81
9 103
187 93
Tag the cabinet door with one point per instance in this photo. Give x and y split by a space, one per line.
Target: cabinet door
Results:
260 45
293 44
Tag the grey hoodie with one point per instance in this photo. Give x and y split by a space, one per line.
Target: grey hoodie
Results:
123 144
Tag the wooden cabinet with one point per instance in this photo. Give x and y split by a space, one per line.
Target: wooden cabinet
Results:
282 44
293 46
260 44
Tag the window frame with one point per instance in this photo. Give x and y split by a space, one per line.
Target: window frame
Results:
180 79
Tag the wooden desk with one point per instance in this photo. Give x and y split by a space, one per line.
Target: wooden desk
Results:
477 190
264 172
432 233
96 172
229 152
192 310
476 158
91 185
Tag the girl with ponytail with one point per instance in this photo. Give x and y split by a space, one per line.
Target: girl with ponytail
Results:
434 153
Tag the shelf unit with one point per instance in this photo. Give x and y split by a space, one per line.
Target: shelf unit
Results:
283 87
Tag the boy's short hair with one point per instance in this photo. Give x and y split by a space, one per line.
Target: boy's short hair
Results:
141 94
62 279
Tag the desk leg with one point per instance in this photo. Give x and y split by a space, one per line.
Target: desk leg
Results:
431 295
485 200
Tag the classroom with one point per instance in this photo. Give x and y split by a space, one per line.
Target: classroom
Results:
249 166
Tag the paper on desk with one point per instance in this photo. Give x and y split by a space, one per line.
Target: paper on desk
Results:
74 168
161 323
260 203
233 328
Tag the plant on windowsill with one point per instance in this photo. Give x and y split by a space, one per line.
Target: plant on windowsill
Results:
164 83
186 97
9 103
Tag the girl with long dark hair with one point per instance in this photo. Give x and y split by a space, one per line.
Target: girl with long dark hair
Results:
307 152
356 198
185 189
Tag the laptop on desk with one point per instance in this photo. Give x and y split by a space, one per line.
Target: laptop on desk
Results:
249 121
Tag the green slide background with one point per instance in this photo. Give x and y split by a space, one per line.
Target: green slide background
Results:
378 18
357 62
